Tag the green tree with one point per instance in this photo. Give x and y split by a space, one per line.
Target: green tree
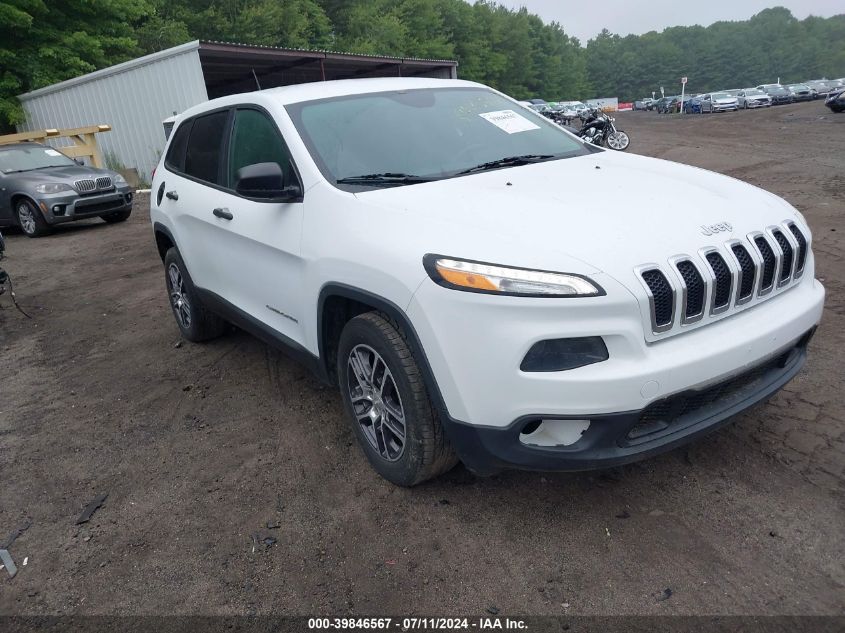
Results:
46 41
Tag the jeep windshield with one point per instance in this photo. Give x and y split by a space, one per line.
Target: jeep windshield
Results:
16 159
402 138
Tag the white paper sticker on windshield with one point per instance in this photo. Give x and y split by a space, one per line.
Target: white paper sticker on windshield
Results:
509 121
51 152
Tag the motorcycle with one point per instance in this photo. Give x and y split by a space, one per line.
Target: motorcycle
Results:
598 128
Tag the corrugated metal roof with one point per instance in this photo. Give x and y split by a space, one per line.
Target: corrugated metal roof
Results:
450 62
113 70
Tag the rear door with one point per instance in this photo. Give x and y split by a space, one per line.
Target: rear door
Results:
192 188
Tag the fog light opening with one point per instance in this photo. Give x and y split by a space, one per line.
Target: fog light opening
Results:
58 209
553 432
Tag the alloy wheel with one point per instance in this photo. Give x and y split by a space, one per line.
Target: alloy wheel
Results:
618 140
376 403
26 218
178 296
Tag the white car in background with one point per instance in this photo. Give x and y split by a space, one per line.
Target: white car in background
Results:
753 98
718 102
574 108
440 255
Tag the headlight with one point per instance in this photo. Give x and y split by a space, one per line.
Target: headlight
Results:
489 278
119 180
53 187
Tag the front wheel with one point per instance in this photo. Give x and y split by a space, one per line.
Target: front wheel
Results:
618 140
386 400
30 220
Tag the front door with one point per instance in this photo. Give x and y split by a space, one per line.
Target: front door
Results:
258 262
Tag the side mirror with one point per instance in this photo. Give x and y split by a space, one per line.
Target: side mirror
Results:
266 181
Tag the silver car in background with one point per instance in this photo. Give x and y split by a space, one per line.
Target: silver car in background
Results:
41 187
801 92
718 102
753 98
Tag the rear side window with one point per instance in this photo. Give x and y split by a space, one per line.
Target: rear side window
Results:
255 139
175 159
203 157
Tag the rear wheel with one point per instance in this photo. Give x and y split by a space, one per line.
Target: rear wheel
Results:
30 219
618 140
386 400
196 322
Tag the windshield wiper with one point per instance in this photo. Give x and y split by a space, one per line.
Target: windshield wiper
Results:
387 178
508 161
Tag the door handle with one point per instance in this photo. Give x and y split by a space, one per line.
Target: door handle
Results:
223 213
172 195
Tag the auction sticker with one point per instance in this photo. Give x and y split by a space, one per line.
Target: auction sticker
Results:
509 121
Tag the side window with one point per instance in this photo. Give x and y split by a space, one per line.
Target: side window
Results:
175 159
255 139
205 147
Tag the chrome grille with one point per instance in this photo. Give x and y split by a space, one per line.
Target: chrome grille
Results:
85 186
723 278
89 185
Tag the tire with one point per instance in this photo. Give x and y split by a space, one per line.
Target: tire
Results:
387 403
117 216
196 322
621 141
29 219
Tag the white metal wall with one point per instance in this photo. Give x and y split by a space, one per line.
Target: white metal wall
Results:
133 98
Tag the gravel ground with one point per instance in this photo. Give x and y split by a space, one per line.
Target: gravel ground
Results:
200 447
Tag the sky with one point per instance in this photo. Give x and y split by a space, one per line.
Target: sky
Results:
586 19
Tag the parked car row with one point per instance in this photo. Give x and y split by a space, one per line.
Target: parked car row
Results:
761 96
566 110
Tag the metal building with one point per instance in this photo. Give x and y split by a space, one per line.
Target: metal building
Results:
136 96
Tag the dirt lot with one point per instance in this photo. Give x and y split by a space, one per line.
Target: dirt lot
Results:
199 446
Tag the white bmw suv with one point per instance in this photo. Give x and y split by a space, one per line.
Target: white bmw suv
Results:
479 283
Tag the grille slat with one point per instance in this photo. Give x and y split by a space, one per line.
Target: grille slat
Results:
769 261
104 182
662 296
786 249
695 289
722 274
802 248
749 271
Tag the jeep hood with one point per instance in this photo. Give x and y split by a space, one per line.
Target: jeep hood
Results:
606 212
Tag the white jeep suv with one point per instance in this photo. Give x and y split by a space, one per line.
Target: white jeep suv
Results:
479 283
